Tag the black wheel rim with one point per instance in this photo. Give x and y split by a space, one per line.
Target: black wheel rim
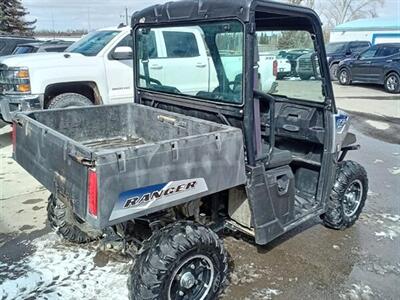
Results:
192 279
352 198
392 82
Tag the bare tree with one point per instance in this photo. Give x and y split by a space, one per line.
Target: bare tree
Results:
337 12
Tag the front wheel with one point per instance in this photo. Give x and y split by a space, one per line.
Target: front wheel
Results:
392 83
184 260
69 100
347 197
344 77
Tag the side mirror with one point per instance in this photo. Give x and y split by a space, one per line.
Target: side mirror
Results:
122 53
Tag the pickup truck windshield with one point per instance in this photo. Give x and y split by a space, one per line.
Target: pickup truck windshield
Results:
204 62
92 43
335 47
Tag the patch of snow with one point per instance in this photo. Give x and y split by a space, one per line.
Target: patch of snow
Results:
394 170
378 161
362 292
59 271
378 125
264 294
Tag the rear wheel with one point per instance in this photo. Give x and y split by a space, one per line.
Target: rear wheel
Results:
392 83
344 77
333 69
69 100
348 196
67 225
184 260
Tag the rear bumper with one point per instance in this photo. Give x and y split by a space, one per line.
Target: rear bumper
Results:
9 105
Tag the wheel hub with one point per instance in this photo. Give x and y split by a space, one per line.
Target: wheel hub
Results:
187 280
193 279
352 198
392 83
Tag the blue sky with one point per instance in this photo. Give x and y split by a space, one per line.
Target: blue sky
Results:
92 14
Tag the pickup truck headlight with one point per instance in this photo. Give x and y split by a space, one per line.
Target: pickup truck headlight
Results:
14 80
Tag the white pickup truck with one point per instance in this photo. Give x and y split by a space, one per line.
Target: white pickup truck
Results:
98 70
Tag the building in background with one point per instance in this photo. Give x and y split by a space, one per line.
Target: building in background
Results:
376 31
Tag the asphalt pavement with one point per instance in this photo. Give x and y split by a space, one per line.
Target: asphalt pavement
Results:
310 262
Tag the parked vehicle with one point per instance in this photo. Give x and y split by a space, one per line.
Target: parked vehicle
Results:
293 55
340 50
47 46
98 70
307 66
284 65
380 64
9 43
165 173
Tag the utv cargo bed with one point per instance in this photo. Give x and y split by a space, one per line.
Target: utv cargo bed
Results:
119 162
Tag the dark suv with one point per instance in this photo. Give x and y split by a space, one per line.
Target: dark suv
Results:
9 43
380 64
48 46
335 52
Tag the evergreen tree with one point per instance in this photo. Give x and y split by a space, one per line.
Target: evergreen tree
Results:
12 18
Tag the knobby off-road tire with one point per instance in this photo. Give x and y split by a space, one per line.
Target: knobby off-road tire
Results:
348 196
184 260
69 100
63 221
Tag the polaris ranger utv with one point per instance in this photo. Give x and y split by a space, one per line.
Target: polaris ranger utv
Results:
168 172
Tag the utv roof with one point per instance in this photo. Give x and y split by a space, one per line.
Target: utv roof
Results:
244 10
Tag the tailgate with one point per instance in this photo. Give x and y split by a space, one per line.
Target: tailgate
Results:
52 159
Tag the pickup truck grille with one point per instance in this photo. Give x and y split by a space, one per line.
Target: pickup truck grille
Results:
305 64
4 85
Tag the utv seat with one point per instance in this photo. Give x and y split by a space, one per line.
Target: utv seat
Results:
278 158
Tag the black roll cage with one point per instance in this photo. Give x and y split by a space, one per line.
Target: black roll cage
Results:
254 15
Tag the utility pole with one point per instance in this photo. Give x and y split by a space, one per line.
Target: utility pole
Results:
126 16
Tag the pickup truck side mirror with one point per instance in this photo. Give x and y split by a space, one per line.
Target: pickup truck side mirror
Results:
122 53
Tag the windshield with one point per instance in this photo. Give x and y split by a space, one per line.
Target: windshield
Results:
204 61
92 43
335 47
24 50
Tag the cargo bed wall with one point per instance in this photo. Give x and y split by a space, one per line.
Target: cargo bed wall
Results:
129 120
45 154
177 159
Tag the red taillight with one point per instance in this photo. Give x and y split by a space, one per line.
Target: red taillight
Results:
275 68
14 136
92 192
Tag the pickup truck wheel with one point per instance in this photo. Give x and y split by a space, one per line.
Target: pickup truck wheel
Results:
69 100
63 221
348 196
184 260
392 83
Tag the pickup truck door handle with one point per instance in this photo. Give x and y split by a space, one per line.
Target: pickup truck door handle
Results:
156 67
389 60
201 65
